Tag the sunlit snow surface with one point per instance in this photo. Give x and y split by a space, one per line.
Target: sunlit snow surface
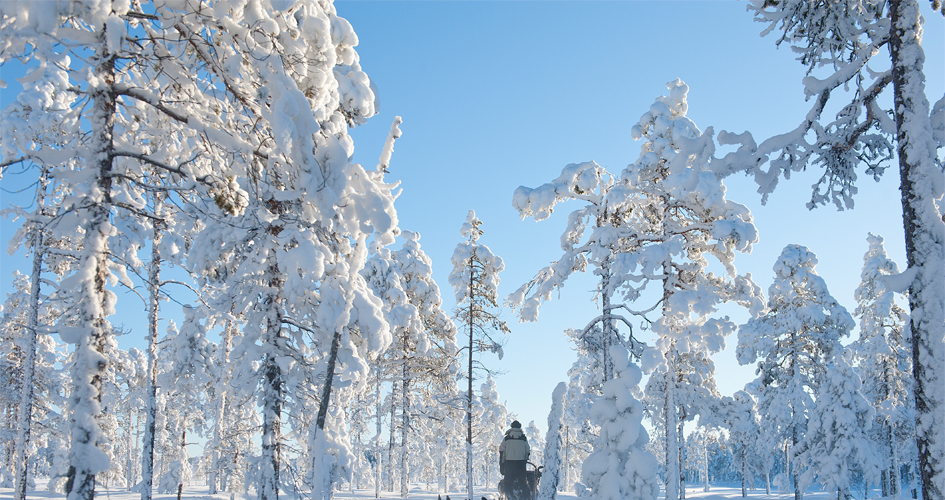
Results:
420 492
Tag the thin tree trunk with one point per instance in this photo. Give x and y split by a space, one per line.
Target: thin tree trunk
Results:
391 438
154 290
377 437
272 390
705 458
798 493
90 363
129 447
469 391
404 422
682 458
25 419
744 472
672 443
183 455
925 239
325 484
221 405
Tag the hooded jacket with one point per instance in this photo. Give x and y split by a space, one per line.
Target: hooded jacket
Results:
514 446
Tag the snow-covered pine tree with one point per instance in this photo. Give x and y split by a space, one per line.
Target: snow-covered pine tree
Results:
536 441
584 384
222 407
554 446
491 423
620 468
874 49
837 440
595 234
132 376
678 217
24 349
737 414
475 279
185 376
423 344
884 361
792 344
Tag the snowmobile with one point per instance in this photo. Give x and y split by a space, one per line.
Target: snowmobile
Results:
531 479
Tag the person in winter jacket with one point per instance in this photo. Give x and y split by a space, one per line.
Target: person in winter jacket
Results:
513 454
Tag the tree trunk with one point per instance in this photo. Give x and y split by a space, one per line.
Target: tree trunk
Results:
925 239
469 390
377 437
154 290
319 482
272 391
608 331
25 418
404 423
183 455
672 443
86 458
682 457
795 474
391 437
744 472
221 405
705 462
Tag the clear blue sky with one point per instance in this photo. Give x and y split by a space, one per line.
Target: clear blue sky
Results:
497 94
500 94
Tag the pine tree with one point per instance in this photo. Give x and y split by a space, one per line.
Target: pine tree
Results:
792 343
738 415
594 236
475 278
554 444
33 384
679 219
884 360
837 438
490 428
187 360
620 468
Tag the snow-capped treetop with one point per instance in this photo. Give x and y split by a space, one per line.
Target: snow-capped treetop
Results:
873 286
884 349
591 235
476 263
798 302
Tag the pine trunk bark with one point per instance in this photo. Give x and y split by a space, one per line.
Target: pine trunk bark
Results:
925 240
183 455
86 458
323 483
404 423
377 438
469 390
25 418
672 439
682 458
154 290
218 425
270 467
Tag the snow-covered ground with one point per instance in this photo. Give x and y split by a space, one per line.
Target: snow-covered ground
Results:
419 492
